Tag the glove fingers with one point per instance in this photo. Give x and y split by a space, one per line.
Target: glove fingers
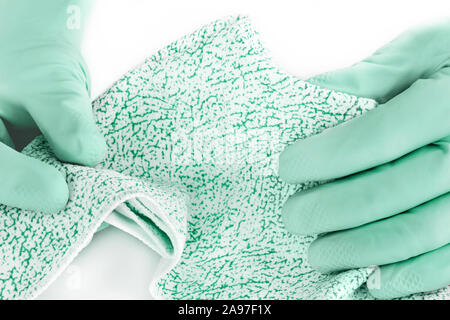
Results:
64 115
371 195
393 68
427 272
413 119
395 239
30 184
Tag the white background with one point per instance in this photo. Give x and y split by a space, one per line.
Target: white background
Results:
304 37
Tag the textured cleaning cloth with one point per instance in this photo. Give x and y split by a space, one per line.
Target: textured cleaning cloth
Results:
194 136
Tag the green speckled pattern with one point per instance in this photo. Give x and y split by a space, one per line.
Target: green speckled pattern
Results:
194 134
36 247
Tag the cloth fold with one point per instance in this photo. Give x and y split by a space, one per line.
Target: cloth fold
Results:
193 137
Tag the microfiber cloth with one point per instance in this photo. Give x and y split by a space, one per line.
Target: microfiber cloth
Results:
193 137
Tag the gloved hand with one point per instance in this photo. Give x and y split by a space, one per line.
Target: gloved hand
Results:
389 204
44 83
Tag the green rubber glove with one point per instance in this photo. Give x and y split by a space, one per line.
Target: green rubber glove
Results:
388 203
44 83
